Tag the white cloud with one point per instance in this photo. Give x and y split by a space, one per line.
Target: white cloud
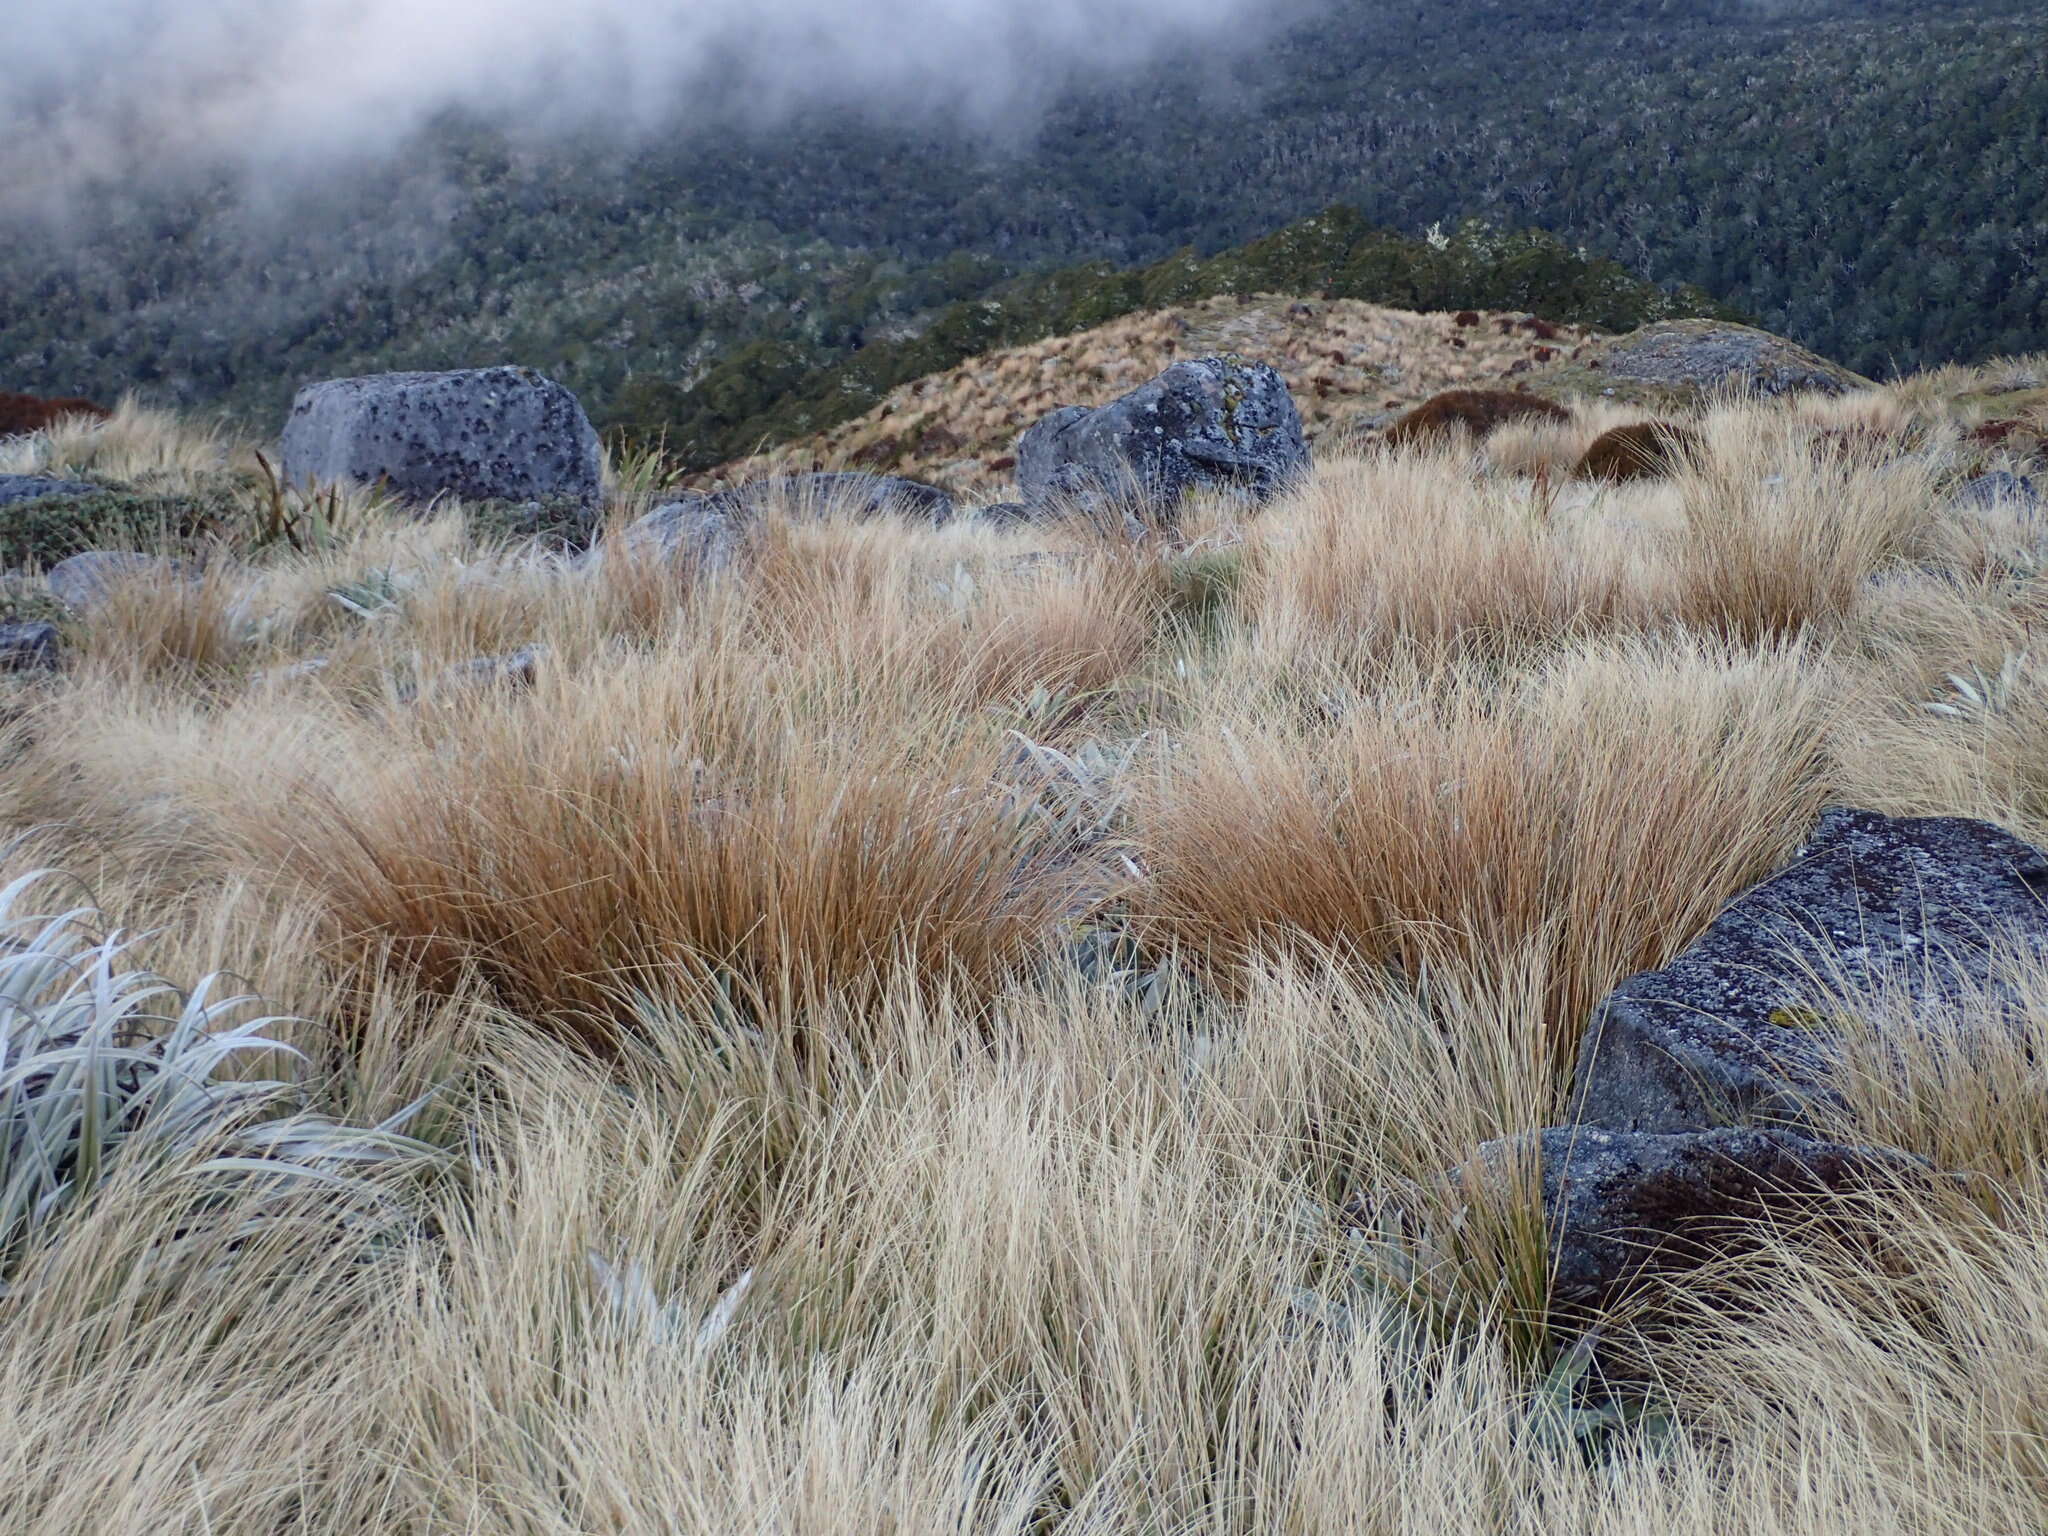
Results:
109 87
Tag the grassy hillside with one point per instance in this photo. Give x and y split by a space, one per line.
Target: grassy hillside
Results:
1862 177
1349 366
775 393
886 1033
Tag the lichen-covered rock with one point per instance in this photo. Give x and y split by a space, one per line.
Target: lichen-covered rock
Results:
14 488
1728 1032
1213 422
28 647
515 671
509 669
1706 355
486 434
691 531
1623 1207
1007 514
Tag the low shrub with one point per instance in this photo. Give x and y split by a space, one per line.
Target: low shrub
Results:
1477 411
1642 450
49 529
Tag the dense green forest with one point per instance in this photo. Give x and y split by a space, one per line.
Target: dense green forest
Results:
1861 175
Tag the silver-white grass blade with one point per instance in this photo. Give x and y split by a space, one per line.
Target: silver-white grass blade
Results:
719 1320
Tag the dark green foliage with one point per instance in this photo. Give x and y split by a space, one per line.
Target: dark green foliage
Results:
42 532
765 394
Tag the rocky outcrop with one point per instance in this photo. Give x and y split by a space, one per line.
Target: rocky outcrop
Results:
1626 1207
852 493
21 488
488 434
1999 490
1729 1033
1698 1085
1212 423
1701 356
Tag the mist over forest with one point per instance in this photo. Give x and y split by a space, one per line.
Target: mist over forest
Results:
212 205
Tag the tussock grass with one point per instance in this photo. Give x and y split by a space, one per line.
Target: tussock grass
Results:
1497 832
913 1005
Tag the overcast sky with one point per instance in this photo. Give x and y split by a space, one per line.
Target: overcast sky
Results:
115 86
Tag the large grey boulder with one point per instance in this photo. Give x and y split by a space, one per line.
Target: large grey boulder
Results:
1218 422
1696 1084
1625 1207
692 531
1729 1032
14 488
1700 356
485 434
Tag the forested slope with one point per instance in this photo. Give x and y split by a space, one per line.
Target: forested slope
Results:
1863 177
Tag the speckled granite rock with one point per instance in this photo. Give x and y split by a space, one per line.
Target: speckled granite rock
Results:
487 434
1626 1206
1211 422
1869 897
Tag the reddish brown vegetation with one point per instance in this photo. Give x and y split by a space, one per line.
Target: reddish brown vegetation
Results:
1642 450
1477 411
1542 329
1544 354
32 413
1992 434
1466 317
